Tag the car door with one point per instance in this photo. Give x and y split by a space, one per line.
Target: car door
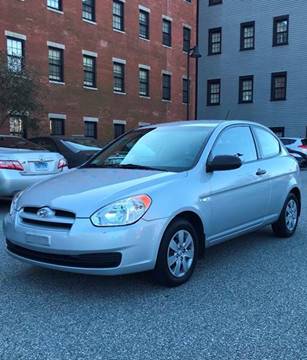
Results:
238 198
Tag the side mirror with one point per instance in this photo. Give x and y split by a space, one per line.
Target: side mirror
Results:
224 162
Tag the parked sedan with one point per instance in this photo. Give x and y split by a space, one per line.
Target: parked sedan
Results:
23 163
297 146
175 190
76 149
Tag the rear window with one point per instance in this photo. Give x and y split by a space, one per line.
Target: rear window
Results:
14 142
287 141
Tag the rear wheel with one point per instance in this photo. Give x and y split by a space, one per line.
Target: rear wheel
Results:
286 225
178 254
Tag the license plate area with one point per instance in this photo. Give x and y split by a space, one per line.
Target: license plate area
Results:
41 165
34 239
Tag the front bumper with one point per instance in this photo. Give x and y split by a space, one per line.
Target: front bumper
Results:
85 248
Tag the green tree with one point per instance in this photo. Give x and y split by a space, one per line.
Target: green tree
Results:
21 94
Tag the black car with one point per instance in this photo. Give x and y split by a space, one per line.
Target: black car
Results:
76 149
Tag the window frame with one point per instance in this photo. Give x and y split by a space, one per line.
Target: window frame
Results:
61 66
213 82
258 157
22 57
93 71
121 77
186 42
276 20
211 32
145 25
167 36
92 11
120 16
51 119
243 26
121 125
167 89
273 77
59 8
145 82
261 156
92 123
241 90
185 91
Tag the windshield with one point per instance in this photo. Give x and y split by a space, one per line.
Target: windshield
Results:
162 148
14 142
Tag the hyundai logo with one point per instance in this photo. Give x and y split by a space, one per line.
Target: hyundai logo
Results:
45 212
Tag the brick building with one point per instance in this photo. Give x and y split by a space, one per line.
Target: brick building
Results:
107 65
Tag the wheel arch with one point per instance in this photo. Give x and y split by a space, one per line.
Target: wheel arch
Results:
296 191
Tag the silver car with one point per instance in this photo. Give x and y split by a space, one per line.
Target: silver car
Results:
23 163
175 190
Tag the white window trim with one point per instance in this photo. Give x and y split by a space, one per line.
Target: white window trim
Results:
15 35
143 8
119 122
55 45
90 119
55 10
117 60
145 67
143 123
165 17
89 21
89 53
166 72
57 116
187 26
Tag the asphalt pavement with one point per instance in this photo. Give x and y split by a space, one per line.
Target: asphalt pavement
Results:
247 300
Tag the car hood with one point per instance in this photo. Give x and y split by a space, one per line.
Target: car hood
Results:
83 191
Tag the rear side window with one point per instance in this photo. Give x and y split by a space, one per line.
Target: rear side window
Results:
269 145
237 141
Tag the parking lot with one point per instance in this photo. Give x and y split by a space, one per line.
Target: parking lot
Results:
246 300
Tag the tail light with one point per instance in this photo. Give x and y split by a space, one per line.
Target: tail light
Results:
303 147
11 165
62 164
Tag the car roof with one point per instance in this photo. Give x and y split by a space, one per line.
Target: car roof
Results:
204 123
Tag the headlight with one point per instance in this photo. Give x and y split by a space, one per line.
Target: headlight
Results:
14 203
122 212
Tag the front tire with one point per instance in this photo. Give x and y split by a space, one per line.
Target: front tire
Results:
286 225
178 254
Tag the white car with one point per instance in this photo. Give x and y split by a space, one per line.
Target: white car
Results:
175 189
297 147
23 163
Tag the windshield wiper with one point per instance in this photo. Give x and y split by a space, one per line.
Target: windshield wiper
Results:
140 167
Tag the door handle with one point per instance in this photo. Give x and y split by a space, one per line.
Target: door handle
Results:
260 172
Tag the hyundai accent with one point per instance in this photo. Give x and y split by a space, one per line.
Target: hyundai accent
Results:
156 198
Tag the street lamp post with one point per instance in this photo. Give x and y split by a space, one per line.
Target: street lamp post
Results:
194 54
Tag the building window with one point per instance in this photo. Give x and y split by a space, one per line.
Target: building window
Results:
279 86
57 126
185 91
246 89
279 131
16 126
144 24
119 77
143 82
281 30
247 36
167 32
214 92
89 69
166 87
186 39
215 41
119 129
88 10
56 61
55 4
118 15
15 54
215 2
90 129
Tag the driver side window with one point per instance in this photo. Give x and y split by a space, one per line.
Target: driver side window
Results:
236 141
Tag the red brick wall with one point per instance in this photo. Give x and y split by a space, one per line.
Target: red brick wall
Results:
31 18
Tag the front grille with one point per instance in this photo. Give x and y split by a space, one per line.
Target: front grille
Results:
61 220
61 213
89 261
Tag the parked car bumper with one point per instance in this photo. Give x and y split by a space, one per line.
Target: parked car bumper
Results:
86 248
12 182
